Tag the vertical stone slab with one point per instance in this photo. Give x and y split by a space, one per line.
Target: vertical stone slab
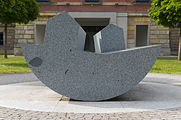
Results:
64 28
111 38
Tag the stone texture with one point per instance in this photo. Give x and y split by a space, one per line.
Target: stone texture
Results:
111 38
10 38
26 33
77 74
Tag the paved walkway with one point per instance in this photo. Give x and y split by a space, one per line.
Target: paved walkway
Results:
17 78
169 114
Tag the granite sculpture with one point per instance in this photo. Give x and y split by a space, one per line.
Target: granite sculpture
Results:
62 64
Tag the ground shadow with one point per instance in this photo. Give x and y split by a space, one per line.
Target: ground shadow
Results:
143 93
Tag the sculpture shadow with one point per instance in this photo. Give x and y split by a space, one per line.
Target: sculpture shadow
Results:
143 93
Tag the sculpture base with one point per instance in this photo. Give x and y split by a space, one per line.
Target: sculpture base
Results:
36 97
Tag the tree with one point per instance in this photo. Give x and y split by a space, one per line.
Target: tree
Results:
17 11
168 14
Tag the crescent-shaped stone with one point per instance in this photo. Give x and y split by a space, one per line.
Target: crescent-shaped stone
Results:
81 75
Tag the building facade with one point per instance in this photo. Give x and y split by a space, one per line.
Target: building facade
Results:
94 15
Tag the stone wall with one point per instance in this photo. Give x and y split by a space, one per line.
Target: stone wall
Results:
133 20
160 35
26 33
10 38
174 40
156 34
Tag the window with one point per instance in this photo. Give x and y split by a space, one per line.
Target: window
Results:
1 38
42 0
40 33
141 35
92 0
143 1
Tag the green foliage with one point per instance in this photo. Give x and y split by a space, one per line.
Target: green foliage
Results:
18 11
166 12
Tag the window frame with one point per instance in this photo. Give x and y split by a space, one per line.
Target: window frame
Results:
1 45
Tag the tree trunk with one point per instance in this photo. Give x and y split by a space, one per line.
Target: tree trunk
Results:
5 42
179 50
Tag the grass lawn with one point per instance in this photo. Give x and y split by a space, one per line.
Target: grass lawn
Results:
18 64
13 64
167 65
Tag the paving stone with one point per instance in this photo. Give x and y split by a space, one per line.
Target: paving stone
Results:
14 114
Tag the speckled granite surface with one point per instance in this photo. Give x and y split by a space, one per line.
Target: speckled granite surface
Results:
111 38
67 69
